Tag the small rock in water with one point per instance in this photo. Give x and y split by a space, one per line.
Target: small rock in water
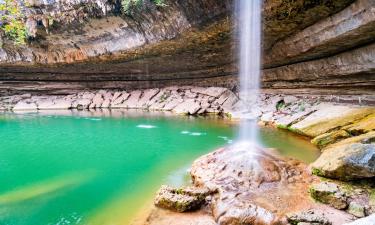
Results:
181 199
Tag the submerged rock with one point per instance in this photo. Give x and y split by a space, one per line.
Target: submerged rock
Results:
181 199
346 162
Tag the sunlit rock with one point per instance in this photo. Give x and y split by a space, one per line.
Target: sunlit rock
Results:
346 162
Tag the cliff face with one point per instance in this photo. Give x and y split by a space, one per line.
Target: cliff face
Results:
87 44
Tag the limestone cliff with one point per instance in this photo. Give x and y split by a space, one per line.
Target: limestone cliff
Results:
91 44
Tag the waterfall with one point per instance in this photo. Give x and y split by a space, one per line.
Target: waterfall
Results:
249 31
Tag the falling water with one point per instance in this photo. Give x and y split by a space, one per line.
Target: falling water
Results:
249 30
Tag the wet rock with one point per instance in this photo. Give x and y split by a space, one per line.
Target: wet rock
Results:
346 162
248 181
182 199
229 102
370 220
308 217
329 193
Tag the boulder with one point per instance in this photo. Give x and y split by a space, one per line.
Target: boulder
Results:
182 199
329 193
346 162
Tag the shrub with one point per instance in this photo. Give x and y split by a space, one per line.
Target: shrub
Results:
12 21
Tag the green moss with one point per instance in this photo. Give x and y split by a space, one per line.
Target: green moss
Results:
317 172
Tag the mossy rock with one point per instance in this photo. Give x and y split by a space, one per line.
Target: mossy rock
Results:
329 193
181 199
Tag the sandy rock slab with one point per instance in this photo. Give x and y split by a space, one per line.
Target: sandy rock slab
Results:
256 186
348 161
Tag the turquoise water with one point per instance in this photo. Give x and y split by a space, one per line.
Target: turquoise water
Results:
88 168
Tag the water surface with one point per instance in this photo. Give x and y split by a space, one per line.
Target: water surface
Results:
70 167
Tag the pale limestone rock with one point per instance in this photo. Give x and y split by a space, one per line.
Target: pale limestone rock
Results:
132 101
172 104
346 162
328 117
106 103
97 101
82 103
147 95
120 98
190 106
116 95
25 106
231 100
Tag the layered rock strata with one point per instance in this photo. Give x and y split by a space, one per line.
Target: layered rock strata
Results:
180 100
310 45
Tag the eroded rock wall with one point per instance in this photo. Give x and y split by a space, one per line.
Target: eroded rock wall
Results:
309 46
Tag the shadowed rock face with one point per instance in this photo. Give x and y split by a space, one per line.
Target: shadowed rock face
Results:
188 42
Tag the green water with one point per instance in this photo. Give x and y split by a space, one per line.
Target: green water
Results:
101 168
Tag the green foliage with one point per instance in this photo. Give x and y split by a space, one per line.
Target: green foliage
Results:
129 5
13 22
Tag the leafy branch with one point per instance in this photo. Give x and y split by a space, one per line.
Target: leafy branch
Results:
12 21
